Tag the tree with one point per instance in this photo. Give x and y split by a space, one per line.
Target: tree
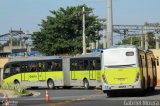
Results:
151 40
136 40
61 33
131 40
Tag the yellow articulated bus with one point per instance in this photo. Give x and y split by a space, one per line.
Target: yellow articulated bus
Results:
127 68
54 71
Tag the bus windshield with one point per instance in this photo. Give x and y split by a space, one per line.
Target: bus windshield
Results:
118 58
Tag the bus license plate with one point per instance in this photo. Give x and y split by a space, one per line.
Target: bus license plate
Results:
123 86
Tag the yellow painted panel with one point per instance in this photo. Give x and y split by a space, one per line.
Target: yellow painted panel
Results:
56 75
12 78
90 75
121 75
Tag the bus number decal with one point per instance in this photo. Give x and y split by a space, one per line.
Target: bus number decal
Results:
32 76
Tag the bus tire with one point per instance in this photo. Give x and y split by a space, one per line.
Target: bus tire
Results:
85 84
50 84
144 84
111 94
152 89
16 82
67 87
148 82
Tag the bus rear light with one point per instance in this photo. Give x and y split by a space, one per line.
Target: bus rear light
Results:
104 78
137 77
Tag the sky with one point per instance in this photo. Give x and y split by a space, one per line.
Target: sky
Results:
27 14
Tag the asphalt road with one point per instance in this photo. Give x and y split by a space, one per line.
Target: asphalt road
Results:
81 97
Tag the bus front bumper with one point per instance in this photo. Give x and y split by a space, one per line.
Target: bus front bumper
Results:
136 85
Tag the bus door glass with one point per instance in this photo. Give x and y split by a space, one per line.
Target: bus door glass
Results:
24 69
92 72
41 71
74 65
97 68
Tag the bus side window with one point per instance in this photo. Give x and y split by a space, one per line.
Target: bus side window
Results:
43 66
86 65
39 66
91 64
48 66
24 67
33 67
55 65
81 65
97 64
59 66
15 68
74 65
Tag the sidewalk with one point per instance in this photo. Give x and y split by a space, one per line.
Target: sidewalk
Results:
9 93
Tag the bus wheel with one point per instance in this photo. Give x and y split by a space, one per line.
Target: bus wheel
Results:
85 84
110 94
50 84
16 82
152 89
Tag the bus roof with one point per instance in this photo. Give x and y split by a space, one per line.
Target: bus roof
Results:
36 58
122 46
88 55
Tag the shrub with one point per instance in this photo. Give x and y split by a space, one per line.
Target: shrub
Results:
18 89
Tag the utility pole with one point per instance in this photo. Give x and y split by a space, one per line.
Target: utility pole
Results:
84 36
11 43
146 38
109 24
20 42
142 39
131 42
157 41
104 38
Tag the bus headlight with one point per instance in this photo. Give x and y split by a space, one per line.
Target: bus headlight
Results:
104 78
137 77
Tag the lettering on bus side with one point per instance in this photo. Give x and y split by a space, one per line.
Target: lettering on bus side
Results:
33 76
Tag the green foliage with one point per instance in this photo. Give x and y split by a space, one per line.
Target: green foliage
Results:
131 40
151 40
137 41
61 33
18 89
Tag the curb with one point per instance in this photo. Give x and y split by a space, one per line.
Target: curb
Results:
30 94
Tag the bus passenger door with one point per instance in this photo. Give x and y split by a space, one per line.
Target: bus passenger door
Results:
92 71
24 70
33 72
40 76
92 74
41 71
73 68
73 75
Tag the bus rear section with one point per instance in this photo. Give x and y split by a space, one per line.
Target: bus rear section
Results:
82 71
120 69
